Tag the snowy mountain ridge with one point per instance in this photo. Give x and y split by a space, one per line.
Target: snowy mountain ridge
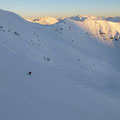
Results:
61 71
98 27
113 19
104 30
44 20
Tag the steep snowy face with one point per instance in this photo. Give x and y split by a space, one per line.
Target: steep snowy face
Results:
105 32
44 20
99 28
60 71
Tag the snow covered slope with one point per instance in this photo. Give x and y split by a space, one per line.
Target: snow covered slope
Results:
44 20
98 27
74 75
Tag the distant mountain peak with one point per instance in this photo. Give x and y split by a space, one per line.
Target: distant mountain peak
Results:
44 20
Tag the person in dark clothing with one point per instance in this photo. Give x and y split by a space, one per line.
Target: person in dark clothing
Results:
30 73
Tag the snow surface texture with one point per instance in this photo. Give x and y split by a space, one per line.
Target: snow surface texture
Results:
66 71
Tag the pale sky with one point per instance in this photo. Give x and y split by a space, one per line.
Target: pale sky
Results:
59 8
